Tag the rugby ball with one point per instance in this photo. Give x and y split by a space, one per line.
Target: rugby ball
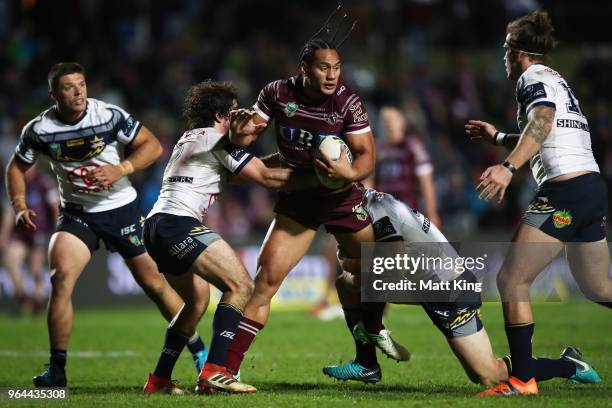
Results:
332 146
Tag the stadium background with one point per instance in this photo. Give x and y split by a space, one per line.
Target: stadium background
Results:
441 61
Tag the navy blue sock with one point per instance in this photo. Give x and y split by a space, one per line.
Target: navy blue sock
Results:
58 358
519 340
365 354
224 326
173 345
196 345
371 316
545 368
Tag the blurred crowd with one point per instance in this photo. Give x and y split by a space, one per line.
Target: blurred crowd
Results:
440 61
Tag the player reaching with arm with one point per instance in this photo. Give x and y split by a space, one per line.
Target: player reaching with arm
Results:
187 251
306 108
569 208
82 136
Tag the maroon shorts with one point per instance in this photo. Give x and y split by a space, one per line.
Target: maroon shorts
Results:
31 238
342 212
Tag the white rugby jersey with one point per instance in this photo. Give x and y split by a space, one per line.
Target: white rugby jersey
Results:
196 173
567 148
75 149
393 219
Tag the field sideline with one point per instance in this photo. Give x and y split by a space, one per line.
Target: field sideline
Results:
112 350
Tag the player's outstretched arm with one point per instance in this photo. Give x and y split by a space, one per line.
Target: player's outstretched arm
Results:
496 179
275 178
146 149
479 131
16 189
245 127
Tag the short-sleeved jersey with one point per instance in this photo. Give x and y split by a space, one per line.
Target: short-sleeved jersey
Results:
197 172
398 168
567 148
75 149
393 219
300 125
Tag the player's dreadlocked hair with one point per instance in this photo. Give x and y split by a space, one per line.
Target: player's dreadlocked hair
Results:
327 36
532 34
205 100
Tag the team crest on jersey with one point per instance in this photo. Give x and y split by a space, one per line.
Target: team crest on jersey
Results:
562 219
56 150
97 143
290 109
135 240
360 212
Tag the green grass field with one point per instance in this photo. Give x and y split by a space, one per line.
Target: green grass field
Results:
114 349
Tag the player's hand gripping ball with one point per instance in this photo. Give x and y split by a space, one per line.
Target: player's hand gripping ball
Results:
332 147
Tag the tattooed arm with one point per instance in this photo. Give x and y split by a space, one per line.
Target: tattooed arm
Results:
495 179
537 130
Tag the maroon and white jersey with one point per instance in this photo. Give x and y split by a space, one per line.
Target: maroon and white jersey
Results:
398 167
300 125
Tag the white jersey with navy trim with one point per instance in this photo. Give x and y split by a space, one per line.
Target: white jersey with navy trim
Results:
567 148
196 173
392 219
75 149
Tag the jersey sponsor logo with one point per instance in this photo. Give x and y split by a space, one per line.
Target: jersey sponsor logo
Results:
562 219
291 109
383 227
128 230
237 153
531 92
227 333
180 179
359 115
301 137
572 123
81 180
340 90
182 248
426 225
129 125
76 142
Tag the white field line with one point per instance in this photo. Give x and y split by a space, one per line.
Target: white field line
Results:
71 354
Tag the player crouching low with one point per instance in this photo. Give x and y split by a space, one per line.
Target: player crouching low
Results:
458 319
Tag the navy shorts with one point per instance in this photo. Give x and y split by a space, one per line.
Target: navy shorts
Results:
120 229
175 242
572 210
460 317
